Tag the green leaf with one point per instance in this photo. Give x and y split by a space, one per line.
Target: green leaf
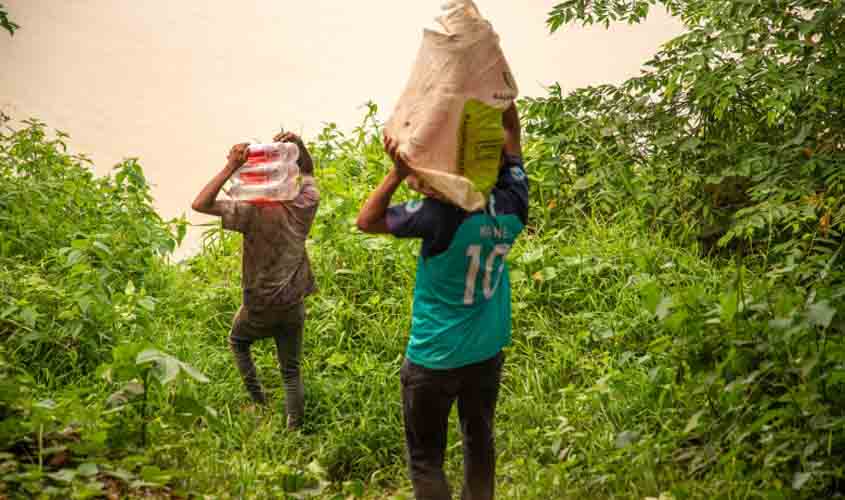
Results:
676 320
584 183
147 303
807 366
119 474
64 475
531 256
664 308
800 479
546 274
780 323
821 314
8 311
29 316
91 489
728 302
693 422
117 400
650 293
188 405
139 484
103 247
690 144
166 367
337 359
626 438
181 230
664 140
354 488
606 333
153 474
211 412
660 344
193 372
74 257
46 404
87 469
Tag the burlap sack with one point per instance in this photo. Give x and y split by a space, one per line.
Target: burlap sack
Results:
448 121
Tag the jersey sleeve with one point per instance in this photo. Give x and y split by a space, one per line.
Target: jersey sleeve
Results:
414 219
512 188
432 220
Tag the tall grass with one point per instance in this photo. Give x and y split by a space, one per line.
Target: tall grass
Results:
637 367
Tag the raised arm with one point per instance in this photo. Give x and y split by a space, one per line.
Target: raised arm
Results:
306 164
206 202
513 131
373 215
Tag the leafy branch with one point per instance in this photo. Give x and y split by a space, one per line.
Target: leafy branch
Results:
5 22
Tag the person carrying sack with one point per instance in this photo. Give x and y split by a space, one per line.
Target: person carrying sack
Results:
461 316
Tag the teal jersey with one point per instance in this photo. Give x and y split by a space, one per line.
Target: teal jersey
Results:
462 297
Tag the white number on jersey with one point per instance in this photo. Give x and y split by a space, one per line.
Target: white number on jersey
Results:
474 254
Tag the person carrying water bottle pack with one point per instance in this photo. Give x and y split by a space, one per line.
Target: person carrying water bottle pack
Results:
276 274
461 316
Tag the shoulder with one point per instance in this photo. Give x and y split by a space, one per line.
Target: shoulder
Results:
512 172
422 218
510 196
309 194
309 187
236 214
426 209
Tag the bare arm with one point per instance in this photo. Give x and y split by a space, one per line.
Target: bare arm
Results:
206 202
373 215
306 164
513 131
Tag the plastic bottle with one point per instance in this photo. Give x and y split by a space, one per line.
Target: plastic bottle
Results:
270 174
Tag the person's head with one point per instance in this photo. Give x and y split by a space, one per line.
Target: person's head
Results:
304 162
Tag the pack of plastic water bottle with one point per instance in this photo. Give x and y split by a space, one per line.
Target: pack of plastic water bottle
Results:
269 175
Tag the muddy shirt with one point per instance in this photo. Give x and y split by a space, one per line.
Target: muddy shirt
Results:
276 270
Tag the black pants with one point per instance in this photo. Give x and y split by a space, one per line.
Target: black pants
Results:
427 397
284 325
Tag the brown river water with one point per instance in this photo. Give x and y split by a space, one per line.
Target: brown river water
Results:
176 83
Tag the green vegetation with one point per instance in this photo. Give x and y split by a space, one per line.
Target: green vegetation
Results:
5 22
677 299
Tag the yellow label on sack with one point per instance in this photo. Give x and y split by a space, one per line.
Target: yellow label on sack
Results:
480 141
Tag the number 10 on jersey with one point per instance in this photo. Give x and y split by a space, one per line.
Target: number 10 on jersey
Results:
489 286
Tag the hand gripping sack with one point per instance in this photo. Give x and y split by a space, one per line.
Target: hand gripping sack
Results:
448 120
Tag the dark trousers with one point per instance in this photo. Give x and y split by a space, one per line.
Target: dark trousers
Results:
284 325
427 397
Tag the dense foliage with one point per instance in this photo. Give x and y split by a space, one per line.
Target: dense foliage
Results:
677 299
79 253
733 131
732 135
80 264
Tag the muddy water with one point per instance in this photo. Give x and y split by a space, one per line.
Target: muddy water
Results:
175 83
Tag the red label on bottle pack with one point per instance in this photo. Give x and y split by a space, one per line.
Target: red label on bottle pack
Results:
263 202
254 178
